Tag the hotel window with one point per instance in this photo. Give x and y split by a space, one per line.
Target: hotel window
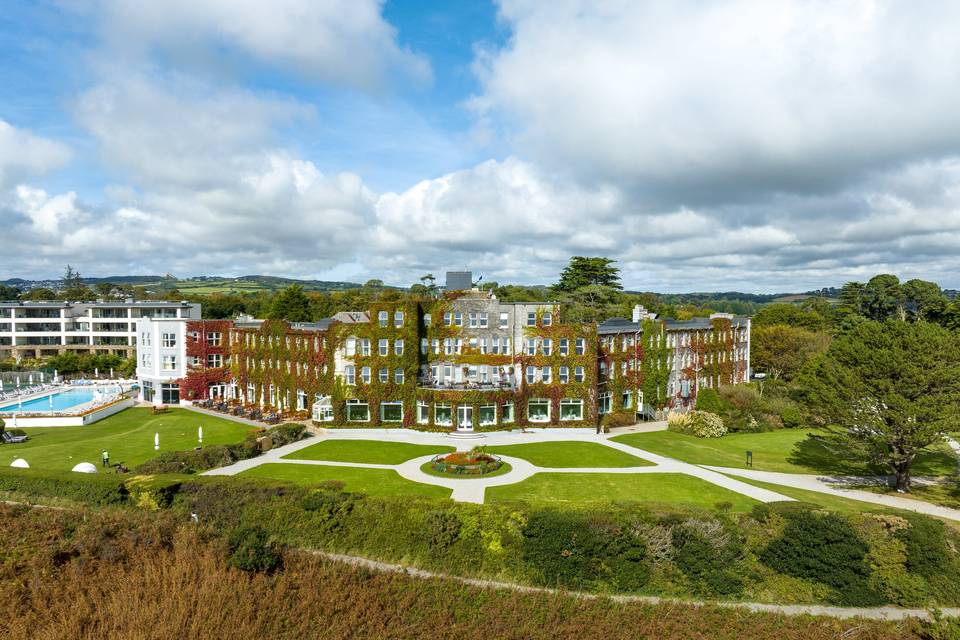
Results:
459 345
531 318
504 319
384 375
564 347
581 346
484 320
351 346
427 321
564 375
531 375
358 411
442 414
424 346
145 360
213 338
301 400
364 346
398 375
169 363
546 375
571 409
384 346
398 319
578 374
436 346
495 345
447 319
423 413
398 347
145 338
365 375
483 345
531 346
603 403
474 319
547 318
488 414
547 346
538 410
448 346
458 318
384 318
169 340
472 342
214 360
506 346
484 373
350 373
627 399
391 411
506 412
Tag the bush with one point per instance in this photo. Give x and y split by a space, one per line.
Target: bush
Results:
706 552
252 550
576 550
697 423
618 419
286 433
709 400
824 548
96 490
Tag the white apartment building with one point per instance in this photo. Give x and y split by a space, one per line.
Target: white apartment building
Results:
47 328
161 345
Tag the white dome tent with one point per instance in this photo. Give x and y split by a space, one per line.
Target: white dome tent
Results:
84 467
20 463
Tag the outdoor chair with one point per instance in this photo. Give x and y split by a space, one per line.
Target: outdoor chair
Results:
9 438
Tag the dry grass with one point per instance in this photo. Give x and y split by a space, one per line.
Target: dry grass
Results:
110 576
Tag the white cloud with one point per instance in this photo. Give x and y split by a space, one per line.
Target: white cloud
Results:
706 100
343 41
24 154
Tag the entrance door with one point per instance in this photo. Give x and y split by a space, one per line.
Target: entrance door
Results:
464 418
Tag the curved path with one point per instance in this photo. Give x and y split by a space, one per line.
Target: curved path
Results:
473 489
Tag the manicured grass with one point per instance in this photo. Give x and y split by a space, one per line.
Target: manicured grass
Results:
375 482
580 488
427 468
785 450
366 451
570 454
824 500
127 436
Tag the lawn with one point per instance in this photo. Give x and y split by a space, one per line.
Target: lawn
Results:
366 451
570 454
562 489
127 436
375 482
785 450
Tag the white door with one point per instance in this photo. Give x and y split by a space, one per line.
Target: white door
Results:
465 418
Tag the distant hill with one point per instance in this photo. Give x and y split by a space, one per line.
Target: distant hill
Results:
197 284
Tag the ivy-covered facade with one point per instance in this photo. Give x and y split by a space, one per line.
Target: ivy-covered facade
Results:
467 361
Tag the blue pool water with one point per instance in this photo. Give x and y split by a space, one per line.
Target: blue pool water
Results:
62 400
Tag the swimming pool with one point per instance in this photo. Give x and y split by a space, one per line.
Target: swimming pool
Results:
59 401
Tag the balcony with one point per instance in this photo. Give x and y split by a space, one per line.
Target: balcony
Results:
467 385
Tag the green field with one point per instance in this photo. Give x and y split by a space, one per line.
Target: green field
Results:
564 489
785 450
570 455
127 436
375 482
366 451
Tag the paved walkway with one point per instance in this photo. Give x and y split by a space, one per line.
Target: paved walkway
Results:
473 489
828 485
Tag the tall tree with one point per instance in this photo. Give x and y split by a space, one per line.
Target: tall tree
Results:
781 350
73 287
924 300
791 315
583 272
883 298
9 293
290 304
887 391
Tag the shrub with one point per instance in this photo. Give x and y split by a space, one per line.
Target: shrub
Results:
286 433
926 546
577 550
252 550
443 529
697 423
97 490
618 419
824 548
709 400
706 552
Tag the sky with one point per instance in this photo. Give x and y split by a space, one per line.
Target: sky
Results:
705 146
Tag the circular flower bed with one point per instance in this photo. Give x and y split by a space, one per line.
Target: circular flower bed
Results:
466 463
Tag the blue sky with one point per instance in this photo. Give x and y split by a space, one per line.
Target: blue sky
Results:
738 145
